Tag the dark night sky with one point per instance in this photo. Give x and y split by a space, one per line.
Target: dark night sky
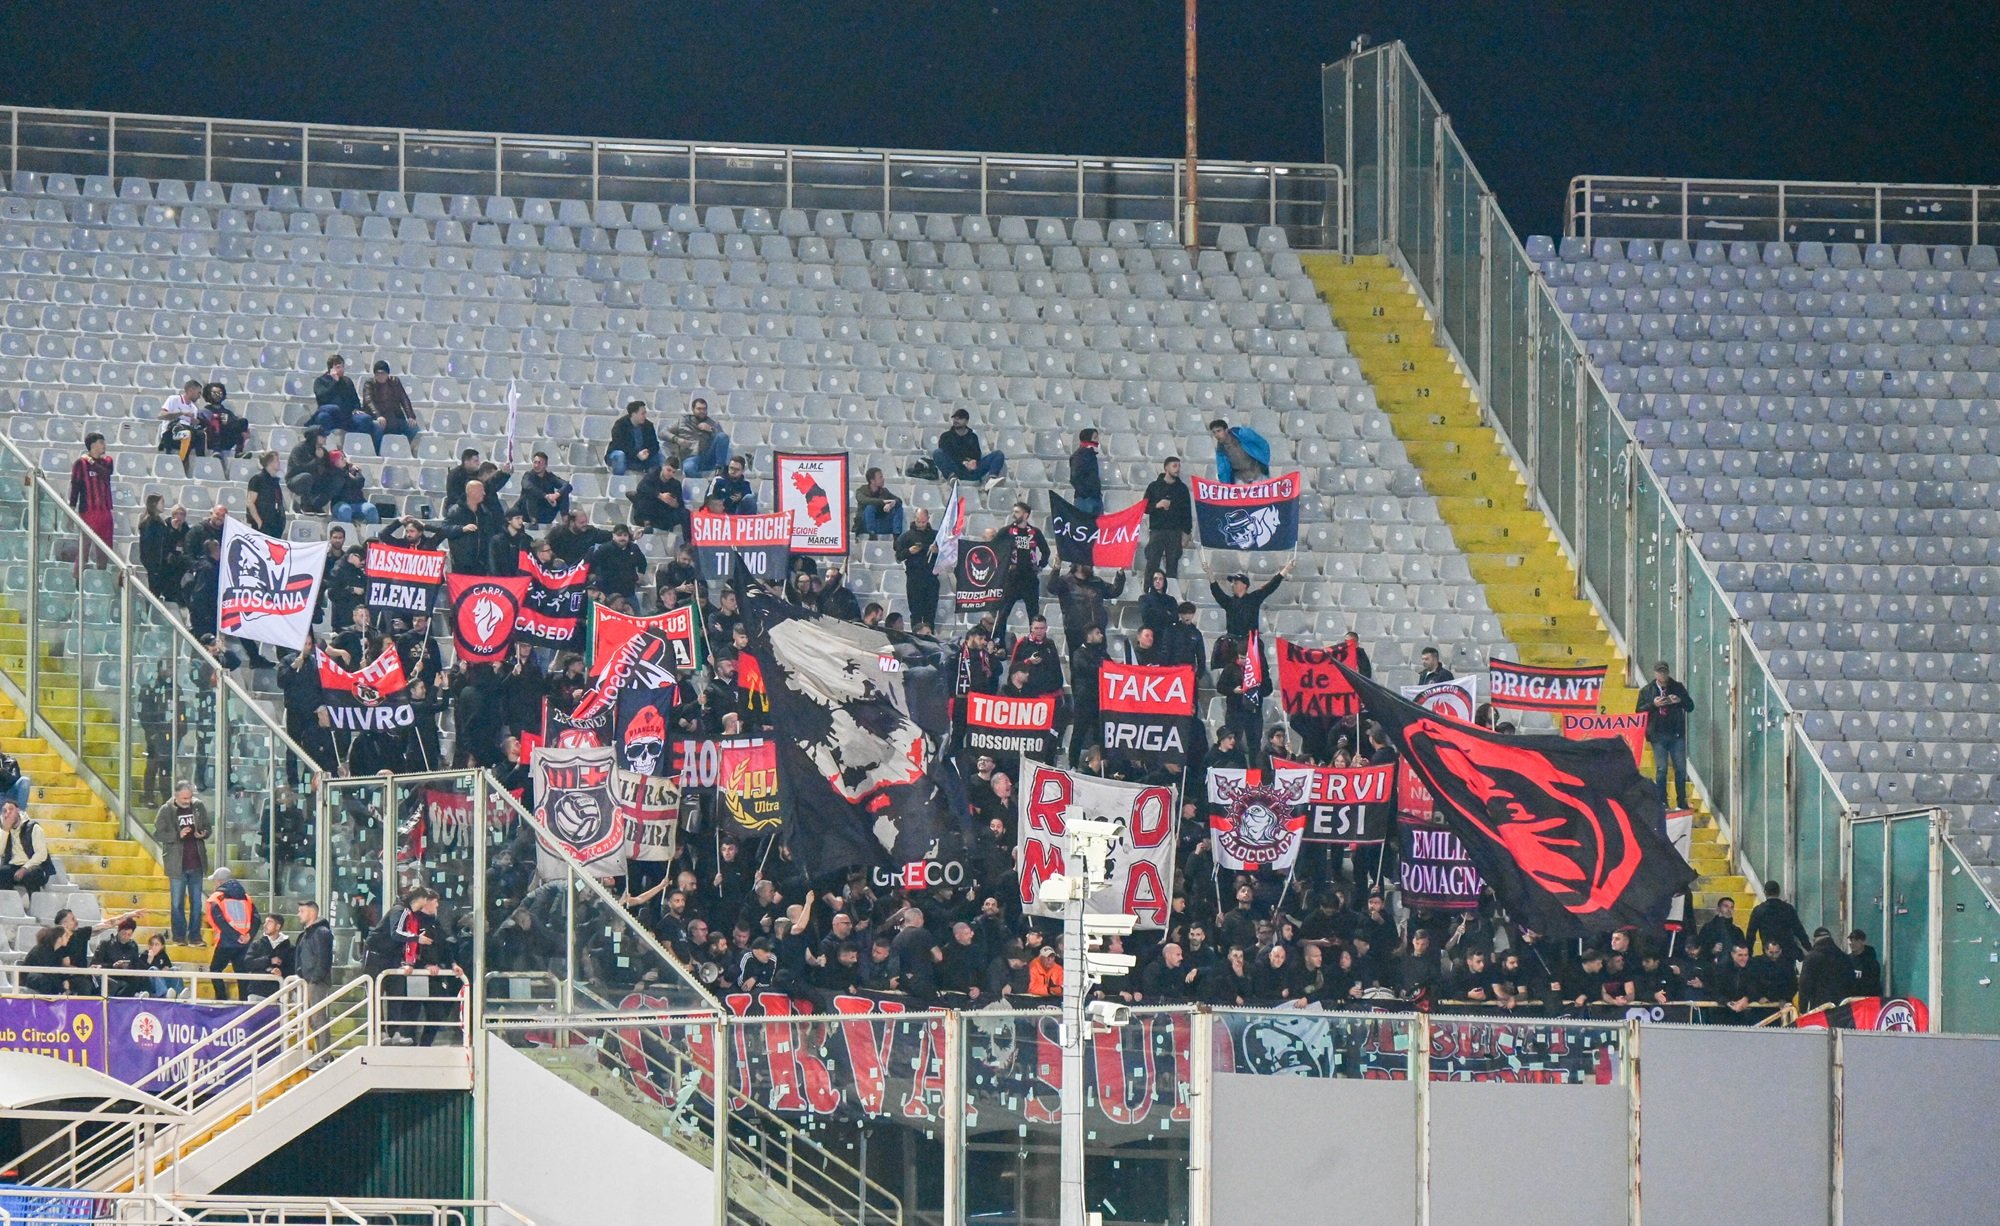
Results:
1538 92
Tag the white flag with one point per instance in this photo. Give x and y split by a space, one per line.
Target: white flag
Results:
1141 865
1458 699
513 412
265 587
951 526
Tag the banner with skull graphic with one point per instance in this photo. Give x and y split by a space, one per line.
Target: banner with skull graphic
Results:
978 578
265 588
1257 821
1256 517
577 811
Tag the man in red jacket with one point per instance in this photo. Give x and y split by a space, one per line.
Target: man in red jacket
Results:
90 495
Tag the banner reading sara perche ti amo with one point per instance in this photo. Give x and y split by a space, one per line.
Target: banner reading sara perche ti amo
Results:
760 544
1145 709
1108 540
266 588
402 580
1254 517
1141 864
1529 687
813 495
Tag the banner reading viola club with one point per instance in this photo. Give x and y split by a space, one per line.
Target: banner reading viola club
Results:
484 612
1255 516
1108 541
553 609
1146 710
1628 726
403 580
1353 804
761 544
1527 687
610 630
813 494
992 724
129 1038
1142 864
977 578
1309 679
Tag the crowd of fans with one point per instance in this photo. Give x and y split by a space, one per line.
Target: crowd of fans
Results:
742 915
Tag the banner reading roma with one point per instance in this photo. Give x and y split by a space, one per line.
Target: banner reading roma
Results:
1142 864
1025 726
1259 515
976 575
576 811
812 494
762 544
1309 679
1628 726
484 612
1146 710
1352 804
1526 687
554 606
265 588
1107 541
403 580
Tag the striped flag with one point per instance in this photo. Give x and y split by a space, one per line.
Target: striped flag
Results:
513 412
951 525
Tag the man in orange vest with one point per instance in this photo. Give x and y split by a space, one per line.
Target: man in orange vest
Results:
1045 973
234 918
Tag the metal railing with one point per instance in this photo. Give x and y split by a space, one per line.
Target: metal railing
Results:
141 1209
1778 211
1416 196
1303 198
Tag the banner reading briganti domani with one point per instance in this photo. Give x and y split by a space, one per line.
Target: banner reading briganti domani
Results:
1141 865
402 580
1628 726
1146 710
1527 687
761 544
1354 804
1259 515
993 724
1435 871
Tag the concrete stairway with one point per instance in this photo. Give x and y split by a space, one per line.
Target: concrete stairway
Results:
1509 544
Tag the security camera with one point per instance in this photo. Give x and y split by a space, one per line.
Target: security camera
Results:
1097 830
1054 890
1107 1013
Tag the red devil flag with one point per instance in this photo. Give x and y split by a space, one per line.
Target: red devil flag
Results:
483 614
1569 835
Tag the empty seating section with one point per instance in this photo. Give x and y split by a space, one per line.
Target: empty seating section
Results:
1825 418
823 330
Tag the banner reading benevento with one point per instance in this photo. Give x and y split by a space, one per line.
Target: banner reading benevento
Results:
372 698
402 580
1310 682
484 612
576 810
1254 822
1146 709
1008 725
740 777
554 605
977 578
1354 804
1628 726
1107 541
1141 863
1528 687
1259 515
812 493
761 544
265 588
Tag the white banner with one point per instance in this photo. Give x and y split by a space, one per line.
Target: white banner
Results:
1260 819
812 489
1458 699
266 588
576 807
1142 864
1680 832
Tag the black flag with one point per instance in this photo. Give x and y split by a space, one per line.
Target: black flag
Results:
1568 833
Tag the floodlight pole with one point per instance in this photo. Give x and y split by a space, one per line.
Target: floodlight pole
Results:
1191 226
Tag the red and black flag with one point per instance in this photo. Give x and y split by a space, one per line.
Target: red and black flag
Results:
1568 834
403 581
484 612
1106 540
553 609
1147 710
1253 516
372 698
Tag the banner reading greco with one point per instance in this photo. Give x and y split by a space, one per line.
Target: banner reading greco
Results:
1260 515
265 588
763 543
813 494
1024 726
1525 687
403 580
1142 864
1146 710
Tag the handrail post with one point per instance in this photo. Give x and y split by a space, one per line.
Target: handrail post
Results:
475 986
31 640
124 692
953 1202
719 1067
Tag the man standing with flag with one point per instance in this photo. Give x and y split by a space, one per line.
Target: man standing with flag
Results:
1169 519
917 548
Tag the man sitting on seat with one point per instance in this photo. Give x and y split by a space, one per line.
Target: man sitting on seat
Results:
698 444
336 405
386 405
544 496
958 455
24 851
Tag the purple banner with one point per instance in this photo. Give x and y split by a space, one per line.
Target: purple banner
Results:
145 1034
71 1030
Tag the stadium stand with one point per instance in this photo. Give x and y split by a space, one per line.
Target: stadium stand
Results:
1820 413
